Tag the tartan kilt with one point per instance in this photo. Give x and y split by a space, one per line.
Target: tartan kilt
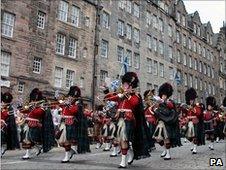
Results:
218 131
71 132
151 130
174 134
35 135
3 136
125 131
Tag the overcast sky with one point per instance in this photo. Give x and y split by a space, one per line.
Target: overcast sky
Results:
209 10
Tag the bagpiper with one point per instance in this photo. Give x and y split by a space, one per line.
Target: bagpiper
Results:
9 135
39 128
151 120
73 129
132 127
210 121
167 132
194 112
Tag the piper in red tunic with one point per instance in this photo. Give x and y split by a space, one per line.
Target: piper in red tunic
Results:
194 114
210 120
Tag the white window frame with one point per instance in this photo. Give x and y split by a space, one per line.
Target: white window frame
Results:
149 41
155 21
178 36
70 76
190 61
155 67
41 20
37 65
178 56
171 73
128 6
8 20
136 60
185 79
149 65
5 63
81 82
75 13
120 28
60 44
161 25
120 53
104 48
136 35
72 49
148 18
185 59
129 57
170 52
136 10
170 30
155 44
129 31
161 70
161 48
58 77
63 11
105 20
103 76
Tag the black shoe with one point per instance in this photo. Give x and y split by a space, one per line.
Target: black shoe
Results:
3 152
167 159
113 155
25 158
191 149
124 167
194 152
39 151
163 155
130 162
106 149
65 161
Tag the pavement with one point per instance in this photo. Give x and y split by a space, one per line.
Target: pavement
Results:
182 158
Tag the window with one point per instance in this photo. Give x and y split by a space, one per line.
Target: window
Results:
72 49
161 70
104 48
120 28
196 64
5 63
105 20
213 72
171 73
161 28
81 82
200 67
155 67
41 20
178 56
149 65
129 6
195 28
129 31
178 17
58 77
122 4
69 78
136 60
60 44
120 53
185 79
156 87
136 10
185 59
221 67
75 15
208 71
184 40
190 62
129 57
149 41
205 85
196 83
166 8
170 30
178 36
155 21
204 52
189 43
136 35
200 84
103 76
204 69
155 44
191 81
84 52
213 90
199 49
148 18
170 52
7 24
198 30
208 54
161 48
87 21
63 11
183 20
209 87
37 65
194 46
20 87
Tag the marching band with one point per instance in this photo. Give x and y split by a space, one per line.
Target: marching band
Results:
124 122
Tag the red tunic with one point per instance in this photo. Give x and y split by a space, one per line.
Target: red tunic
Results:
149 114
195 113
68 113
208 115
35 117
4 115
127 105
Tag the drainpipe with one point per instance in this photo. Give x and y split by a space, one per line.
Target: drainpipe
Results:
96 46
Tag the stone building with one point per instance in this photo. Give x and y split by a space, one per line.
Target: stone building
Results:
55 44
47 44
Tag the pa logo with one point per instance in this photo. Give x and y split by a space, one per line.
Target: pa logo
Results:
216 162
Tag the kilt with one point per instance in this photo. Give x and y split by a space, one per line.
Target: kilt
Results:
108 131
208 126
125 131
68 133
151 130
3 136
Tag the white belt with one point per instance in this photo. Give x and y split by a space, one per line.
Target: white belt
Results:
67 116
32 119
148 115
192 117
124 110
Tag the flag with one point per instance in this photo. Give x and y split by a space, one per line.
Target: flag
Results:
115 84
